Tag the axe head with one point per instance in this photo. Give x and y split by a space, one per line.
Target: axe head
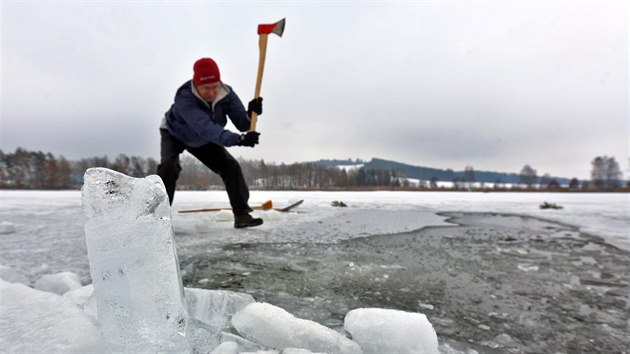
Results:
277 28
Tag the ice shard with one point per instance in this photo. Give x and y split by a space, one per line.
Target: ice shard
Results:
133 263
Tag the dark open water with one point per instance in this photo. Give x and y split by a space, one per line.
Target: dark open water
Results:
493 283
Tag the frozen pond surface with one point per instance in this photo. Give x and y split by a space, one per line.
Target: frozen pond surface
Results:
496 283
373 213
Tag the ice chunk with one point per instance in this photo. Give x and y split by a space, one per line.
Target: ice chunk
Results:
35 321
425 306
274 327
215 307
209 314
91 308
527 267
592 247
12 275
133 262
7 227
391 331
79 296
59 283
505 340
226 348
205 339
85 300
453 347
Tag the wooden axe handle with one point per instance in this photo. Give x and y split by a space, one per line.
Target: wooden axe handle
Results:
262 45
201 210
264 206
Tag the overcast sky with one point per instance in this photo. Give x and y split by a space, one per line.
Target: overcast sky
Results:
491 84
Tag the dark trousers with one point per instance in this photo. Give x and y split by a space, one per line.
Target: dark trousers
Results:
215 157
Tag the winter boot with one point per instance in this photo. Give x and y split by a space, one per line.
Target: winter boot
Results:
241 221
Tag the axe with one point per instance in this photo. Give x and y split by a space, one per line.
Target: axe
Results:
263 32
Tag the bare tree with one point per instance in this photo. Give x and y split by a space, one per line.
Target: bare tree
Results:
574 183
528 176
605 172
469 176
433 182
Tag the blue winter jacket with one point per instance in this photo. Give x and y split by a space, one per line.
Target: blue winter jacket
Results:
196 122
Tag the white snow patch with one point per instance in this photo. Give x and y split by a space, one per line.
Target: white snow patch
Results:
35 321
349 168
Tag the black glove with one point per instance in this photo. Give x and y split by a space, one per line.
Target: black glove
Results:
249 139
255 105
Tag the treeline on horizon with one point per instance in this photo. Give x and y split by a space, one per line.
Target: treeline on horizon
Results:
25 169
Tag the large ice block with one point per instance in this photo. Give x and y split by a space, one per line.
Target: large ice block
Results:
133 263
391 331
274 327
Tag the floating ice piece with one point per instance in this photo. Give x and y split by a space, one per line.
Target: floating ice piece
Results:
133 263
7 227
274 327
425 306
59 283
505 340
592 247
35 321
526 267
12 275
215 307
391 331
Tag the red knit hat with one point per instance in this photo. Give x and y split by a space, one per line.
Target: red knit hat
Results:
206 72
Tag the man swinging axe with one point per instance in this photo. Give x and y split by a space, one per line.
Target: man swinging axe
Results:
196 123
